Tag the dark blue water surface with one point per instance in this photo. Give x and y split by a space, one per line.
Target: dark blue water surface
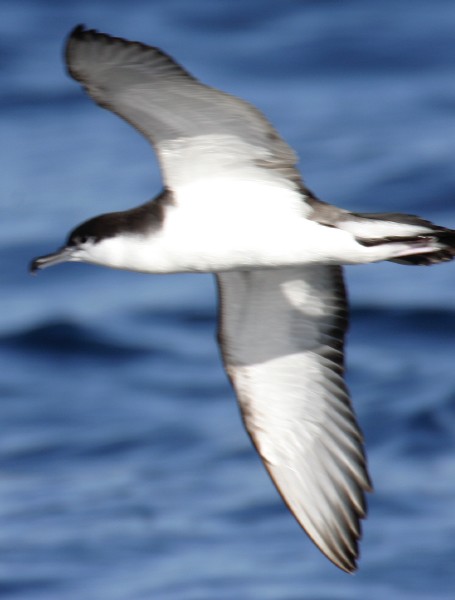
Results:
125 473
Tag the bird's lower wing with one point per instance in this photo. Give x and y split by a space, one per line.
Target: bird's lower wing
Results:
281 336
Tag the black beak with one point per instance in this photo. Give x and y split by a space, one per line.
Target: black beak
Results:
49 260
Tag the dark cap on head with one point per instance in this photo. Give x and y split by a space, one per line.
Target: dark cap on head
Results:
140 220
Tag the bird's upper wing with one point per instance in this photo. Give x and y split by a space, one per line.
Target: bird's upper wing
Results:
197 131
281 335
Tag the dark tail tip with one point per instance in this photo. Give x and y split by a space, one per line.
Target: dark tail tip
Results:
33 267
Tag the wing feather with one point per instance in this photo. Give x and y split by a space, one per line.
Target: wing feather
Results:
187 122
281 334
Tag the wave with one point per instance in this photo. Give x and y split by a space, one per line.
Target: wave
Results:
66 337
439 321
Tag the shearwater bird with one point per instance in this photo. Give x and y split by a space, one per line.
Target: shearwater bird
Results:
234 204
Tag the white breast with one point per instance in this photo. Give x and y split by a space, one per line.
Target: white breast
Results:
227 224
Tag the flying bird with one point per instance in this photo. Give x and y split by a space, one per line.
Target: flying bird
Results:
234 204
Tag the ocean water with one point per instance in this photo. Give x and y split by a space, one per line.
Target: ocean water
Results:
125 473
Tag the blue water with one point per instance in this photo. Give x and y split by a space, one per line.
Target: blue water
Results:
125 473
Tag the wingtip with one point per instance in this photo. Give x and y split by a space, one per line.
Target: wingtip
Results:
77 34
346 561
77 31
80 33
350 567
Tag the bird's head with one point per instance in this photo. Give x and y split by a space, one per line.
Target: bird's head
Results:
114 239
84 244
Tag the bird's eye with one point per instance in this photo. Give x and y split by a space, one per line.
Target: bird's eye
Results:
78 240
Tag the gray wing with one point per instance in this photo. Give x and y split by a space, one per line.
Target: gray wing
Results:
195 129
281 335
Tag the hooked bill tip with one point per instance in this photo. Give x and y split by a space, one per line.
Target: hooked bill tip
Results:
41 262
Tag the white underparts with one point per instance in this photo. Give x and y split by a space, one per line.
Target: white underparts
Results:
227 224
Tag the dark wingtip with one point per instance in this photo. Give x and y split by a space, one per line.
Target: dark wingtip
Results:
78 31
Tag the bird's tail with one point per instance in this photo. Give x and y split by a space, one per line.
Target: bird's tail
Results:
428 243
